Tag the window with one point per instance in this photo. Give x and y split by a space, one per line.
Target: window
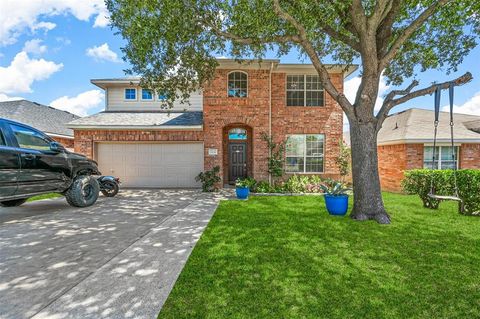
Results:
2 139
147 94
443 154
130 94
237 84
304 153
28 138
304 90
162 96
237 134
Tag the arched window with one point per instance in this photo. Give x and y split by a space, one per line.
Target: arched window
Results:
237 134
237 84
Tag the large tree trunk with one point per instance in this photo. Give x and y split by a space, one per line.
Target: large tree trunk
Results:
367 202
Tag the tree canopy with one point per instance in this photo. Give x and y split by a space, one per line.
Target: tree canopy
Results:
172 44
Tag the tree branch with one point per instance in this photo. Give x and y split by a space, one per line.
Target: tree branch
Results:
407 33
310 50
407 95
250 40
334 34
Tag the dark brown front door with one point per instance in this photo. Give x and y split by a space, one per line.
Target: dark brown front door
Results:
237 161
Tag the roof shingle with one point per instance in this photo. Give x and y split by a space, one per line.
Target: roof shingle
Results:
139 120
42 117
417 125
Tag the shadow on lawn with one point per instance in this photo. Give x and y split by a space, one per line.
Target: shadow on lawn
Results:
286 258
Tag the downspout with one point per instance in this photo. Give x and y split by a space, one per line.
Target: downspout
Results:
270 116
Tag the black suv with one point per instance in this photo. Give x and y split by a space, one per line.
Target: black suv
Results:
31 163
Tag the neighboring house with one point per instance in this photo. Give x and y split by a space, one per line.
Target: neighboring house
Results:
222 125
44 118
406 142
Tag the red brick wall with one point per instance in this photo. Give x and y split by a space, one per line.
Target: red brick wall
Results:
393 160
84 140
327 120
470 156
66 142
221 111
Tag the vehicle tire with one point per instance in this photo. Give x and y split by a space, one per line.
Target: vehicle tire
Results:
83 192
110 188
13 202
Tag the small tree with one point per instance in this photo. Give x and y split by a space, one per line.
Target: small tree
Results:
275 157
343 159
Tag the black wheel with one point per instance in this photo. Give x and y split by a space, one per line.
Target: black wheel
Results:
83 192
13 202
110 188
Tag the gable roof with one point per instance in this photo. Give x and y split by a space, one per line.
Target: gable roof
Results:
416 126
151 120
42 117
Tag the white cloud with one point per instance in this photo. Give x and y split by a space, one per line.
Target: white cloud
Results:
4 97
471 106
35 46
102 53
16 16
23 71
350 89
82 104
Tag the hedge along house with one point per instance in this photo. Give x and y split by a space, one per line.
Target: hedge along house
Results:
406 142
222 125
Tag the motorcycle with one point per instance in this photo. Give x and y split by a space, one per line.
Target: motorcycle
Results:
109 185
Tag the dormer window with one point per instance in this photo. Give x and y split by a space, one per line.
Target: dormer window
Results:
130 94
147 95
237 84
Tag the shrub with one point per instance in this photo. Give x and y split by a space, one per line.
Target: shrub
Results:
249 182
343 160
294 184
262 187
419 181
276 158
209 179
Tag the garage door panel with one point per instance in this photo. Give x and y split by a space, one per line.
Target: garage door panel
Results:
153 164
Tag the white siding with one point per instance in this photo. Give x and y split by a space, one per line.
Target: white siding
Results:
116 101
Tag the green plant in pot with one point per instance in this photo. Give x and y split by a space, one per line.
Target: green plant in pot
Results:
243 186
336 197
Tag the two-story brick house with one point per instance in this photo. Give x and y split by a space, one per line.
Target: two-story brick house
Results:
222 125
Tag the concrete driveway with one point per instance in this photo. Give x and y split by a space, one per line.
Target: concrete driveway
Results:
116 259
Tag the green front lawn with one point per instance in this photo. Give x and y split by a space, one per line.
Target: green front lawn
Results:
44 196
284 257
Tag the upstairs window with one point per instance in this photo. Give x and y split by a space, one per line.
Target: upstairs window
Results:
130 94
162 96
443 157
304 90
237 84
147 94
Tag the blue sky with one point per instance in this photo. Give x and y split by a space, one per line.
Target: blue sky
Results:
50 49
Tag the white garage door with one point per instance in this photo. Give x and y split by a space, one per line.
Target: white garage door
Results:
152 165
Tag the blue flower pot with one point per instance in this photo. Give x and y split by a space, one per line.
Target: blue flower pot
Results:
337 205
242 192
